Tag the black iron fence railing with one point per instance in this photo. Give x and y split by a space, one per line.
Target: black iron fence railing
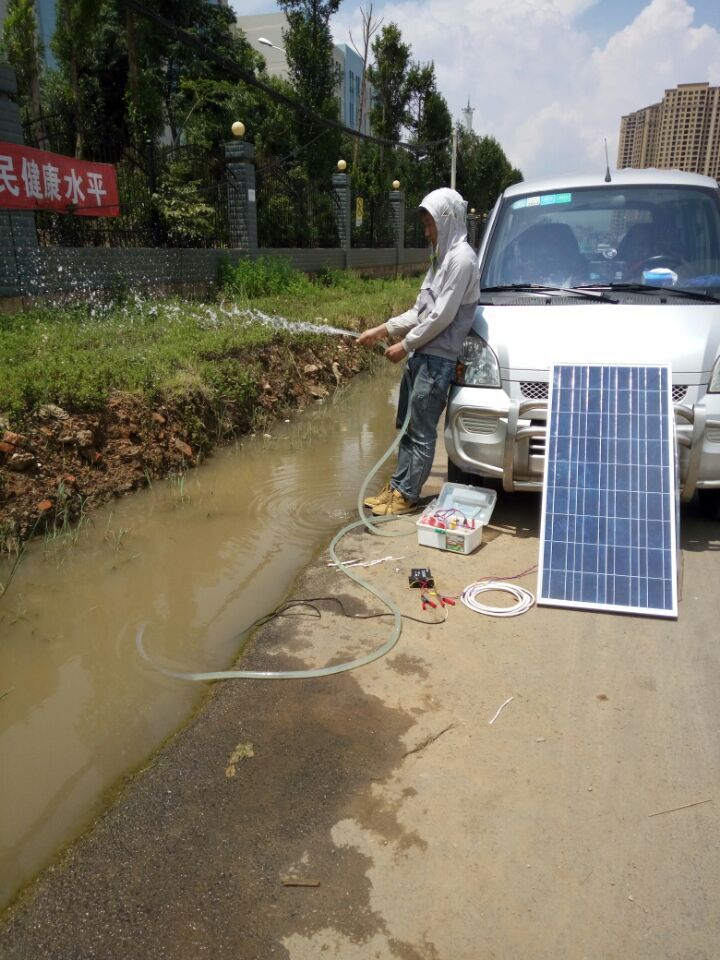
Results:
181 197
169 196
292 213
371 222
414 232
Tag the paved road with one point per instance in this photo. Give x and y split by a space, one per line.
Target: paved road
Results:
379 814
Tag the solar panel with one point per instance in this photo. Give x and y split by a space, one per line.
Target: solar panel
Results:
608 533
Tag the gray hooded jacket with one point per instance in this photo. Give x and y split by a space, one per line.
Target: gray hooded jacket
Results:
442 315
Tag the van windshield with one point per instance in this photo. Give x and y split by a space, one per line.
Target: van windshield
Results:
649 235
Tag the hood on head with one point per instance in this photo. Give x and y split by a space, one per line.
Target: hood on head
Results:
449 211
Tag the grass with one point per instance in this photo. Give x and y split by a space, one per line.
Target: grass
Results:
74 356
206 363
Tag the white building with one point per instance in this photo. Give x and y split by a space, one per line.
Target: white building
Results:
270 27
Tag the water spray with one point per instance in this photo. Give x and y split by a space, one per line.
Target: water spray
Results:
298 326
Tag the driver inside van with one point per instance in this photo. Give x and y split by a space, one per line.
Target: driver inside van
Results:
647 245
547 254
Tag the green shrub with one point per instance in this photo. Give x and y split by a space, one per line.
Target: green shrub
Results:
264 277
188 218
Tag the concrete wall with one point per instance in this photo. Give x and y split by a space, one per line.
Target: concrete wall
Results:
58 271
17 228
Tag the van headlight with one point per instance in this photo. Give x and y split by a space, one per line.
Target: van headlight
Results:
715 378
478 366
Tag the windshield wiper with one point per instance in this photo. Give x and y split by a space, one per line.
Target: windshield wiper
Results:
675 291
541 288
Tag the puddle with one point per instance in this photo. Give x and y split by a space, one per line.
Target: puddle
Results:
199 559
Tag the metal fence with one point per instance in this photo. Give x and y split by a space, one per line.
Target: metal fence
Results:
414 231
371 223
169 196
178 197
291 212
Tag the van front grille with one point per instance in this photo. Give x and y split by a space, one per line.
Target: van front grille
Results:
537 390
533 390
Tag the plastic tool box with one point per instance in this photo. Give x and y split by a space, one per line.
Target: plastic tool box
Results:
455 519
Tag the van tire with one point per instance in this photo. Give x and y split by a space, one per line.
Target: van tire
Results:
709 501
456 475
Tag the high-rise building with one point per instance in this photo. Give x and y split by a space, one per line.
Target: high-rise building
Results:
264 31
351 69
681 132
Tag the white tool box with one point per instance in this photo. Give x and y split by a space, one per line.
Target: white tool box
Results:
455 519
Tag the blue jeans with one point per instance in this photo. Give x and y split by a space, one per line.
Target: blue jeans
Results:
425 386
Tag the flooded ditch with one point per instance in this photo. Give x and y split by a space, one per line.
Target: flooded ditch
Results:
198 558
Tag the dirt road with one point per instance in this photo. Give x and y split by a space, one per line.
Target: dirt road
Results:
379 814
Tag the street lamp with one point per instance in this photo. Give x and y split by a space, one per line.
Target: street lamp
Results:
268 43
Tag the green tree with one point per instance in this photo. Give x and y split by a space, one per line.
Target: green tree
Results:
134 81
420 84
24 51
388 75
73 33
483 170
408 106
314 78
434 130
181 66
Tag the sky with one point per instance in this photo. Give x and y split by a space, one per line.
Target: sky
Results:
549 79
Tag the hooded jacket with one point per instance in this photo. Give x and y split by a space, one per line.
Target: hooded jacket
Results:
443 313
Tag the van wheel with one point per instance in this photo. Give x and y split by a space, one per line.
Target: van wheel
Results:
709 501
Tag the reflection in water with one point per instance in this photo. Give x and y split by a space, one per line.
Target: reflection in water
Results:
199 562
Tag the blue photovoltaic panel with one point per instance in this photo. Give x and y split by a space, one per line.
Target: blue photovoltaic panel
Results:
608 534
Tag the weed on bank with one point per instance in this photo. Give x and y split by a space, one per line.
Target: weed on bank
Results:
74 356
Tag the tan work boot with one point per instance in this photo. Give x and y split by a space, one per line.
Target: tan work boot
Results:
394 506
381 497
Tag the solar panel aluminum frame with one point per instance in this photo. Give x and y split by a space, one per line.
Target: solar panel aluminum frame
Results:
669 514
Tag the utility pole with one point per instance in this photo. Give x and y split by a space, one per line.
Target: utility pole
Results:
453 163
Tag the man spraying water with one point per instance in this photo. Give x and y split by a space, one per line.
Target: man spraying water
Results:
432 333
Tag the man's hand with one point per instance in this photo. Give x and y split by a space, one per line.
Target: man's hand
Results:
396 353
368 338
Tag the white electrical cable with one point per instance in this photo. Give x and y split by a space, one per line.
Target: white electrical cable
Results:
524 600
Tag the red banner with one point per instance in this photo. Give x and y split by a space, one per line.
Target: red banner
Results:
37 180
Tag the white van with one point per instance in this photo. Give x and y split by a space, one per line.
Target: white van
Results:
587 269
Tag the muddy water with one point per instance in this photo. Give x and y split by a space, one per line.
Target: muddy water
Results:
198 559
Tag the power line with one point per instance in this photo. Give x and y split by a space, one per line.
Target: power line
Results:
235 70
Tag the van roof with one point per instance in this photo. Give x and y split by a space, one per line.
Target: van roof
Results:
624 177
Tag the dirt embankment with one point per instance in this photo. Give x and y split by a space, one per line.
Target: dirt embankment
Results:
57 464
